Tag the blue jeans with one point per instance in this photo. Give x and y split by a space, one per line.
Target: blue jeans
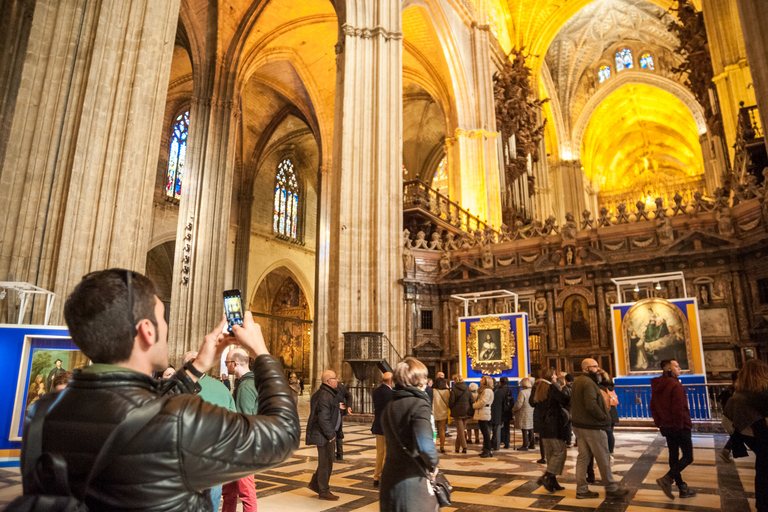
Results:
216 497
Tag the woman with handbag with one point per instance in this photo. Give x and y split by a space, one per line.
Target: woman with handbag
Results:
460 403
440 398
748 411
550 402
411 452
482 408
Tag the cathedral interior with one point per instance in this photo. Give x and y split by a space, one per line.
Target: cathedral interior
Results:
350 165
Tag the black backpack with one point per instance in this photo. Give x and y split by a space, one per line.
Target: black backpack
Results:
46 482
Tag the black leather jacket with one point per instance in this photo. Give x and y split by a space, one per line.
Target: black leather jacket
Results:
189 447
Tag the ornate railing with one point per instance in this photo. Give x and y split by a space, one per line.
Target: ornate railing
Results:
417 194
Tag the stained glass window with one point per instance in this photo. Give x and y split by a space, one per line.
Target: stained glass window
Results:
177 156
623 59
604 73
646 61
440 179
286 214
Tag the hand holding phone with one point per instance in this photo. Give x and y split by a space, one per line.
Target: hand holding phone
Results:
233 309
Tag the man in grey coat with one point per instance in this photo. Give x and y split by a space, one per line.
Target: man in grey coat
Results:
591 419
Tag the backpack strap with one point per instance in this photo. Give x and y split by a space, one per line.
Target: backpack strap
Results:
123 433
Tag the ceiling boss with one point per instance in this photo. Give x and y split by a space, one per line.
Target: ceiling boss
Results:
491 345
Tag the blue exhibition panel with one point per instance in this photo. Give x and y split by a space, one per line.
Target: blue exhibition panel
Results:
634 394
14 389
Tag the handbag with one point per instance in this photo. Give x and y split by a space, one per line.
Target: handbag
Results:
440 485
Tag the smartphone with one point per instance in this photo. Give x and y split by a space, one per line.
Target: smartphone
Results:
233 308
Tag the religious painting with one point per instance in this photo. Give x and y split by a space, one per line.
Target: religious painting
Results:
491 345
290 336
43 358
290 328
654 330
576 318
715 322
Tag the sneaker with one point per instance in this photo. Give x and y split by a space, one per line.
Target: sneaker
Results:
666 485
329 497
685 491
589 495
725 456
618 493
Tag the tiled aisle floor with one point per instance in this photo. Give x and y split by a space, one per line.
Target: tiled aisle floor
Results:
505 483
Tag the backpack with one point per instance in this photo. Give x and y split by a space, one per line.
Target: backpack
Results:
45 478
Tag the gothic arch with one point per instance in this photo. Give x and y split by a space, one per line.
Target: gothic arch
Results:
635 77
295 272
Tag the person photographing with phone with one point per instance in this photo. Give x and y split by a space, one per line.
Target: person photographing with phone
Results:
183 445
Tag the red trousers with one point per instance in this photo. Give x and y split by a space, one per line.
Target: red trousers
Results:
245 488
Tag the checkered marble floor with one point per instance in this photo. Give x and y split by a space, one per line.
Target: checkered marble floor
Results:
504 483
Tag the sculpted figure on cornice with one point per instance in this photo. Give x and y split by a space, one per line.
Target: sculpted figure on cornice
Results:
570 228
437 243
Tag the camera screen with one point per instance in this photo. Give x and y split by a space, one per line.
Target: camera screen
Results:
233 307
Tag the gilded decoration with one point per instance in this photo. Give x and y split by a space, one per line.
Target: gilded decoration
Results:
491 345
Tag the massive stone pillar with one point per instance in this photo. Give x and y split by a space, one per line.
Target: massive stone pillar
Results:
573 192
754 20
204 219
729 61
476 179
79 169
359 253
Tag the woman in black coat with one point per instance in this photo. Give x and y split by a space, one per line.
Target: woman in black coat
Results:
549 401
407 423
460 403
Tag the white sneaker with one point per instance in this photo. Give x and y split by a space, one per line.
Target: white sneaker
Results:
612 459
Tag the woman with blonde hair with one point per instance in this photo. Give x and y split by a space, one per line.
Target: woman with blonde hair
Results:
550 401
748 410
524 414
411 451
482 408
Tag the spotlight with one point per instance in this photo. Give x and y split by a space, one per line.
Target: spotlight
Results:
637 288
3 294
658 286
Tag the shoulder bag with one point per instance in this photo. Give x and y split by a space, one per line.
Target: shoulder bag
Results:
440 485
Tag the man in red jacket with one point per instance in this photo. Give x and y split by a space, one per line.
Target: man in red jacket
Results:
669 407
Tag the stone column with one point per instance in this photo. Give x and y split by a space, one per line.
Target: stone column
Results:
79 170
543 198
738 301
243 241
729 61
754 20
602 321
476 171
573 198
361 220
551 331
196 301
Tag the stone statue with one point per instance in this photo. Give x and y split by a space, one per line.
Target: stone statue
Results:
487 256
622 216
699 204
421 242
604 219
549 225
569 255
519 233
536 228
464 241
540 309
478 237
570 229
409 262
678 199
641 213
450 243
490 235
407 239
724 221
437 242
664 230
506 236
660 210
753 189
445 262
586 220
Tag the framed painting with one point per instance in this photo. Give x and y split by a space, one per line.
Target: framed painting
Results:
42 358
653 330
576 319
491 345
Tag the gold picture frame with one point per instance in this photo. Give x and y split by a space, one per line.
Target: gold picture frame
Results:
491 345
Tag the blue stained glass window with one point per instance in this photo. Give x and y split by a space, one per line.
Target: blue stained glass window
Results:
286 213
646 61
177 156
623 59
604 73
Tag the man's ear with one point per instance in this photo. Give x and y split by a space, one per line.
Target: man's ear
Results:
146 332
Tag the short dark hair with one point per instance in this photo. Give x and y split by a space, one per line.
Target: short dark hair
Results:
62 378
56 361
568 377
664 363
504 381
97 313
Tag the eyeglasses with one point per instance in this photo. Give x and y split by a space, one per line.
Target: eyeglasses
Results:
594 366
227 362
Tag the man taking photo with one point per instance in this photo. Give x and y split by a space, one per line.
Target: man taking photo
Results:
189 446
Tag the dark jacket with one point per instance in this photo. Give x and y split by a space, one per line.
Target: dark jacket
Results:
669 404
588 409
461 401
344 397
553 420
189 447
609 386
324 416
403 482
381 396
497 407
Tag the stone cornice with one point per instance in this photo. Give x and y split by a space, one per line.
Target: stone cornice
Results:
369 33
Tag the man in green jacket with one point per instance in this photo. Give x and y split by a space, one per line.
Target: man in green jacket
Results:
247 402
216 393
591 419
